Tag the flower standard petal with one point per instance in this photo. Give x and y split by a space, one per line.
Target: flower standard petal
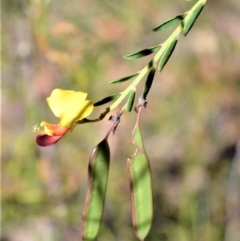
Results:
74 113
60 100
69 106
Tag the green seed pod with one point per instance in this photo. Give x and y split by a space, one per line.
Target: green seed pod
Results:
97 185
139 173
130 101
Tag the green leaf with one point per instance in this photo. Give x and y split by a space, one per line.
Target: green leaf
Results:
130 101
142 53
148 82
123 79
167 54
139 174
106 100
97 185
192 15
171 22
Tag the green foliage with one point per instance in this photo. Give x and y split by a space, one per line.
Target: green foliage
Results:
143 53
167 54
192 16
130 101
191 121
123 79
171 22
106 100
163 51
148 82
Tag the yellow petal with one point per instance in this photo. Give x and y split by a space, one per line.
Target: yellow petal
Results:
61 101
74 114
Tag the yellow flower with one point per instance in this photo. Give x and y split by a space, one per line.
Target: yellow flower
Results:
70 106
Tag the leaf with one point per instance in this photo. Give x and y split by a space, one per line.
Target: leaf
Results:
139 174
106 100
192 16
148 82
97 184
167 54
123 79
142 53
171 22
130 101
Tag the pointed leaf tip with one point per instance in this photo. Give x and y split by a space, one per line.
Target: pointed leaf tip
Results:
167 54
106 100
171 22
192 16
148 82
123 79
142 53
130 101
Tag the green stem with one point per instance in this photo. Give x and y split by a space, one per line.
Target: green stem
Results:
145 70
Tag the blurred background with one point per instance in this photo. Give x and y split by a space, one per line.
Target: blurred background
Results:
191 127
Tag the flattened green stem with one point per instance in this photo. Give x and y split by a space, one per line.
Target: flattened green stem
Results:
145 70
131 86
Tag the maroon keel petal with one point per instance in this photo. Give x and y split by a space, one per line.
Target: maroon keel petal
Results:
46 140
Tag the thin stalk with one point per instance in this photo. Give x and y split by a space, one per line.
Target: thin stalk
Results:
145 70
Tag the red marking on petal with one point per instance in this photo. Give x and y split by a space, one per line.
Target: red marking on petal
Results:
54 129
45 140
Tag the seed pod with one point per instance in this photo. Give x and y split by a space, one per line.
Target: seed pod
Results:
97 184
139 174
